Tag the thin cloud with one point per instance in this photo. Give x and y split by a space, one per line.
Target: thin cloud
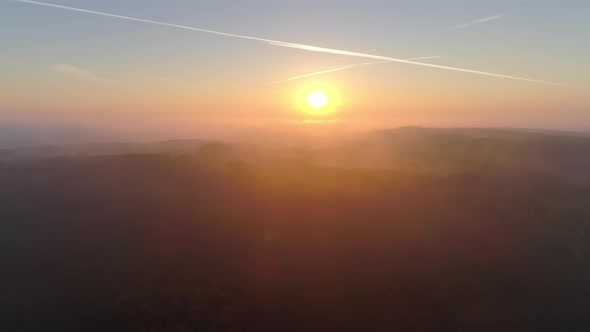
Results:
77 72
92 75
151 78
346 67
295 45
482 20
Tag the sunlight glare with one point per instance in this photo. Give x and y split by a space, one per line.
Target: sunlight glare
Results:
317 100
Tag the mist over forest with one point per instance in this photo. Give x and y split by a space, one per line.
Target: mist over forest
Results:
407 229
294 166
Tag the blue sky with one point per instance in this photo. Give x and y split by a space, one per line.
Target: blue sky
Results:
204 75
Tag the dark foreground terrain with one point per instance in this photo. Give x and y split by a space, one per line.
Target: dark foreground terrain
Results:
405 230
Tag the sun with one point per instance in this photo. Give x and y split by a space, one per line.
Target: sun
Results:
317 100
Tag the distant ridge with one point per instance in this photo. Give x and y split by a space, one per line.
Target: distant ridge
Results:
94 149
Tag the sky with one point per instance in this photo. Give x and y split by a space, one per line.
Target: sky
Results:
63 65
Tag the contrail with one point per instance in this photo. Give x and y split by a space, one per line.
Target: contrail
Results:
295 45
346 67
384 58
485 19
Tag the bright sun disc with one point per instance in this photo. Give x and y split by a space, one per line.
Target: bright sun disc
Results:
317 100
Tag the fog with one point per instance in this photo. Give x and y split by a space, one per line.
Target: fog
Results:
23 132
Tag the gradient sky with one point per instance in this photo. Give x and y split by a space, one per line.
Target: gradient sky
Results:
57 64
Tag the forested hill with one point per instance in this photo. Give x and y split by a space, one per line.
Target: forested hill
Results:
288 241
437 151
448 150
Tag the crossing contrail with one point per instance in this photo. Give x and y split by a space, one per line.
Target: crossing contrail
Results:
294 45
346 67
